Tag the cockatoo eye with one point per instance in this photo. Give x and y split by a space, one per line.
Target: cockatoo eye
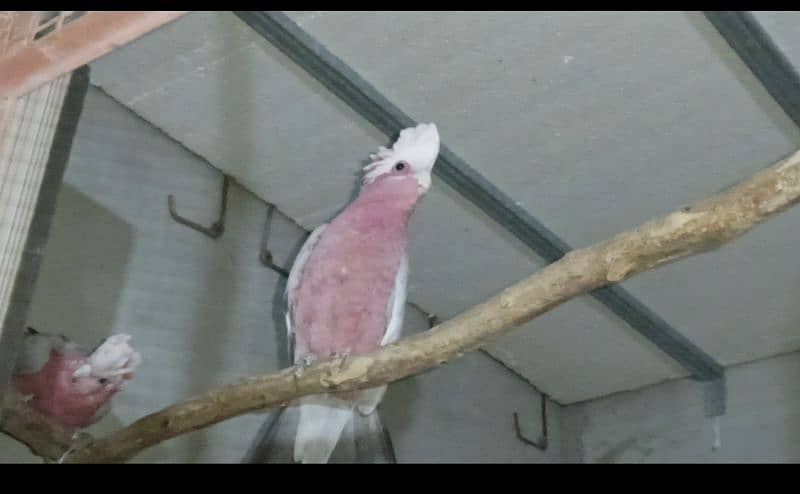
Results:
102 380
400 166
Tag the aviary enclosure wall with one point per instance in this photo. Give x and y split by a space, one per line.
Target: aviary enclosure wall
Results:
107 257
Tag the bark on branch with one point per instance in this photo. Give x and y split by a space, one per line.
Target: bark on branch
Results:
43 437
691 230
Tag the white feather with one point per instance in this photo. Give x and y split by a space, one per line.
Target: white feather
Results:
418 146
397 304
83 371
321 422
114 357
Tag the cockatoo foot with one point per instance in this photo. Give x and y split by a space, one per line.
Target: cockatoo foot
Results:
304 362
340 357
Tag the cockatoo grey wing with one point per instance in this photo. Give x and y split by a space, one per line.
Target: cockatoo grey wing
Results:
294 280
35 351
396 308
369 399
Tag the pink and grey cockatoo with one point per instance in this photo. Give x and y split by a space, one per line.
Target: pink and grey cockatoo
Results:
346 292
72 387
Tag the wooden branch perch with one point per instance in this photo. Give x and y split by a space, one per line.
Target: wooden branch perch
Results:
691 230
43 437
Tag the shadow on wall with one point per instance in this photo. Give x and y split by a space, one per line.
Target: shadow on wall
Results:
83 271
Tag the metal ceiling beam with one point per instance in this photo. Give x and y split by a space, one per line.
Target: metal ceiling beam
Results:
344 82
760 53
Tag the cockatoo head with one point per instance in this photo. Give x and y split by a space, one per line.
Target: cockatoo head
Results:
414 153
57 379
111 363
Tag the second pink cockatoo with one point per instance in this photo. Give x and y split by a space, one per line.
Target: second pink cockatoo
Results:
62 382
346 292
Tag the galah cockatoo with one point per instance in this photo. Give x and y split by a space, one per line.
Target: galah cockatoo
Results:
62 382
346 292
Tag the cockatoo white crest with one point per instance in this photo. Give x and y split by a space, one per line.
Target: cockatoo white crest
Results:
417 146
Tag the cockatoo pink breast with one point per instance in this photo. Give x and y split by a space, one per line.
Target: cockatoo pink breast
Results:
72 401
343 294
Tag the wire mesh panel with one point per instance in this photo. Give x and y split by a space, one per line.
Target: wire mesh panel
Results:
26 145
40 128
38 46
17 30
20 29
52 22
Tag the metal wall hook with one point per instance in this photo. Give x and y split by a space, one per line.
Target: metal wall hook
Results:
266 259
541 443
433 321
218 227
265 255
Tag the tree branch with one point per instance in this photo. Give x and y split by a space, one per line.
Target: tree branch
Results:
43 437
689 231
